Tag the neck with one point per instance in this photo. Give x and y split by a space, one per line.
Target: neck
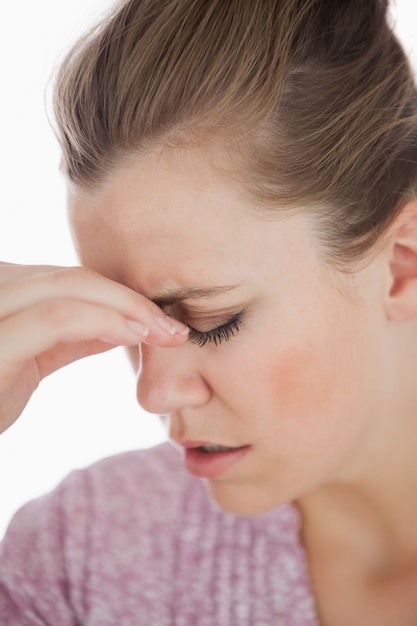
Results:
371 506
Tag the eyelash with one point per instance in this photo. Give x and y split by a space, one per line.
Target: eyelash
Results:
217 335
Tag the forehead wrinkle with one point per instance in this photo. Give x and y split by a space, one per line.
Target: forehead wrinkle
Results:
175 295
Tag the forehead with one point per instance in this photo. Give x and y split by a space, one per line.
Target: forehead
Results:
171 202
153 192
172 218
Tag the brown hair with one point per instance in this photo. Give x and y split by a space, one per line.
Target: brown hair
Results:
316 98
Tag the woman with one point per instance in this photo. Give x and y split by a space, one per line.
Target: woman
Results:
246 168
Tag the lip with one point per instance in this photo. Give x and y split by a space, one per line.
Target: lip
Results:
188 443
212 464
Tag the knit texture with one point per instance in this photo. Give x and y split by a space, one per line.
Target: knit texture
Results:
135 540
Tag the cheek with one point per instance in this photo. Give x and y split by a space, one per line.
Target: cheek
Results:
301 384
305 379
318 397
309 374
266 380
294 383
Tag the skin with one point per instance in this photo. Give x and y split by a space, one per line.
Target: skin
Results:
51 316
318 380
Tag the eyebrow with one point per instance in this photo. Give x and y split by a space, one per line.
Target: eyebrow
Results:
172 296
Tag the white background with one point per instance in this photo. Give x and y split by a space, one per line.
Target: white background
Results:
88 410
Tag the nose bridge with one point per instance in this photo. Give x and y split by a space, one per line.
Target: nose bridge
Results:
169 380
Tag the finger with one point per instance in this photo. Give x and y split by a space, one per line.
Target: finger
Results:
82 284
33 331
13 272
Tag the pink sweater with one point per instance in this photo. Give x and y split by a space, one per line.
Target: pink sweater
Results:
134 540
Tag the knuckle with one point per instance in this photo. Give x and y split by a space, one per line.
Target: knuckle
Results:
72 277
57 313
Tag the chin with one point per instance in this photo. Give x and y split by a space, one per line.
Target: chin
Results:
240 499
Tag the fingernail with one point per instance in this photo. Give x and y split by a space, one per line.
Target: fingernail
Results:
181 328
171 325
138 329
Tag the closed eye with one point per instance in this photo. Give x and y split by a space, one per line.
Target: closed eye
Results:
217 335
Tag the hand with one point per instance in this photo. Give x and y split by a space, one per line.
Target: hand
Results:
51 316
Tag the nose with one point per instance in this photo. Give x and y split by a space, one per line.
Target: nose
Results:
169 380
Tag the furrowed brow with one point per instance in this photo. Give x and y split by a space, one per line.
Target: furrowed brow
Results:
172 296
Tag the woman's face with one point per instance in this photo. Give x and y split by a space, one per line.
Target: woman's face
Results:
285 358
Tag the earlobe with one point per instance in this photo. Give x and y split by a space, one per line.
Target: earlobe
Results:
401 302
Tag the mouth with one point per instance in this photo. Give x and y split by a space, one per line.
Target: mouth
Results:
211 460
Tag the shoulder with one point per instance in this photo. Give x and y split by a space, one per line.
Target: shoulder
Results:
142 493
132 495
133 480
148 486
101 538
126 501
112 490
112 534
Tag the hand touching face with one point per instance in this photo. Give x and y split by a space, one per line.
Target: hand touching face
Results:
51 316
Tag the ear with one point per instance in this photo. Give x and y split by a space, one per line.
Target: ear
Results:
401 300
